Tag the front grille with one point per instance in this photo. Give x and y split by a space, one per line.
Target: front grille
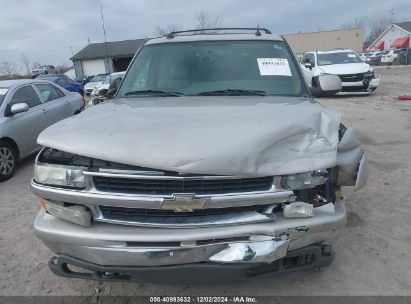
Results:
352 77
168 187
130 214
353 89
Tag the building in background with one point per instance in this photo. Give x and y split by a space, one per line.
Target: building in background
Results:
345 38
71 74
101 58
397 35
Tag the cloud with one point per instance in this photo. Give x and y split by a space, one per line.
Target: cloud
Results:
47 30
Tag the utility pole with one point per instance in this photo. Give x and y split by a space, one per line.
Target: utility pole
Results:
105 39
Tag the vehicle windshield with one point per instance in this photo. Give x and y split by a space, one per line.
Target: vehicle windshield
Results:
107 80
337 58
215 67
98 78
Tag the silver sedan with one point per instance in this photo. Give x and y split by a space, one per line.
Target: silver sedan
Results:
27 107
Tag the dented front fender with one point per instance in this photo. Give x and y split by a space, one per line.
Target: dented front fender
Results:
351 161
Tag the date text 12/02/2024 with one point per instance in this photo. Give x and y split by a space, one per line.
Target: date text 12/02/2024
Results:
205 299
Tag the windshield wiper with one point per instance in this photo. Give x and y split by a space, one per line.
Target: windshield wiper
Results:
169 93
232 92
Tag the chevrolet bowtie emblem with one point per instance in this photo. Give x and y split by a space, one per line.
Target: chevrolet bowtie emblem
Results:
184 203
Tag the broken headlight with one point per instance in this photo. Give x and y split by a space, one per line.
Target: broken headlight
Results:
75 213
304 180
59 175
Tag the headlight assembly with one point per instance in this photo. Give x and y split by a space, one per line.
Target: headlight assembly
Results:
76 213
59 175
370 73
304 180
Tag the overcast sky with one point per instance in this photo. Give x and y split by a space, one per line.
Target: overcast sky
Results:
46 30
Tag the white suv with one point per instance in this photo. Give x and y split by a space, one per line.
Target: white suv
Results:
392 56
43 69
356 76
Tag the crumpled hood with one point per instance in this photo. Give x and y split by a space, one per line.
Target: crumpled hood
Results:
241 136
347 68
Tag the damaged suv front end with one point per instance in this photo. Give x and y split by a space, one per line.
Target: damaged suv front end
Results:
229 183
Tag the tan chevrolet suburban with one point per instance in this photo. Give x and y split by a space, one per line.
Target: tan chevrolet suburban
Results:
212 162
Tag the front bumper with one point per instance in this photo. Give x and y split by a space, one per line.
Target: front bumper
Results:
388 60
109 246
359 87
88 90
316 256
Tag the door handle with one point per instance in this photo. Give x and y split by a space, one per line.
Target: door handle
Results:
45 111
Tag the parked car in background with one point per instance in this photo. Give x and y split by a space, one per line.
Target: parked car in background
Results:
405 57
374 58
43 69
363 56
83 80
101 92
356 76
102 89
392 56
212 163
27 107
93 82
65 82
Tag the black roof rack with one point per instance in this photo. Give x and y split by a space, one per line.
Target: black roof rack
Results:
201 31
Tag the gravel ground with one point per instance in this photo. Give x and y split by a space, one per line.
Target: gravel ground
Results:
373 254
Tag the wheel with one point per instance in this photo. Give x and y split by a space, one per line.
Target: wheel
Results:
8 161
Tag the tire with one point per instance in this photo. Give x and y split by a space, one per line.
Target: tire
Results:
8 161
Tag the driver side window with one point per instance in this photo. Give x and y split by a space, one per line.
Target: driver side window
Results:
311 59
47 91
25 95
61 82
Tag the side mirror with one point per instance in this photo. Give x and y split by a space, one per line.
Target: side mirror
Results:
114 85
327 85
308 65
19 108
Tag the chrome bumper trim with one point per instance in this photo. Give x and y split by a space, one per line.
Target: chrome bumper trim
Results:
160 177
252 252
93 197
240 218
266 251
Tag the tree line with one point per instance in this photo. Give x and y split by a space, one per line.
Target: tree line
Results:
9 69
372 26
